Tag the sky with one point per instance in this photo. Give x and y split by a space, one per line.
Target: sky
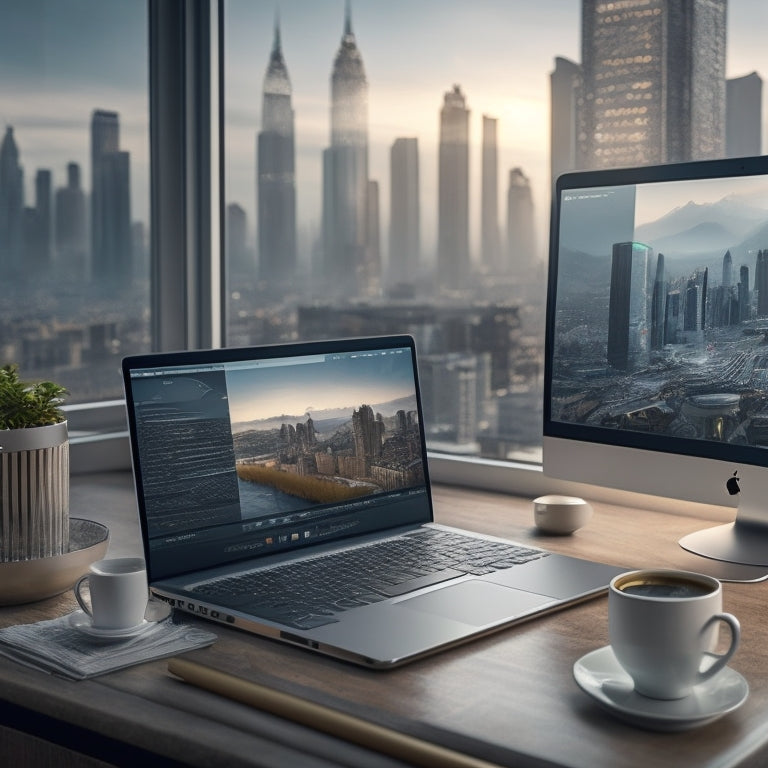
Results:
501 53
270 392
657 200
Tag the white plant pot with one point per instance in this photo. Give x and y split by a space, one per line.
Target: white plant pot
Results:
34 492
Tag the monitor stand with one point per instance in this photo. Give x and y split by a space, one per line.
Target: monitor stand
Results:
740 548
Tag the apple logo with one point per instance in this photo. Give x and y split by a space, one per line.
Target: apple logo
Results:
732 484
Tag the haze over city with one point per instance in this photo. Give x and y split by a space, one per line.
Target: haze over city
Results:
500 53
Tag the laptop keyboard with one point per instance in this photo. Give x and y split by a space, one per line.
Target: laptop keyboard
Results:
308 593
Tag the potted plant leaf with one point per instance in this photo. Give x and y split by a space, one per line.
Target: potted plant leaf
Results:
34 469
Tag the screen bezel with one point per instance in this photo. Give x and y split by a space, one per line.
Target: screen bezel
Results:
133 363
729 452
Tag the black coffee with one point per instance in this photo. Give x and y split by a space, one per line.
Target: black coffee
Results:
658 588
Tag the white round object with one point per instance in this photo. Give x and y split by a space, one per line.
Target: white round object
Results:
560 514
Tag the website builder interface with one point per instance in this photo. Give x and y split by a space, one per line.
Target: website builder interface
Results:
248 458
661 314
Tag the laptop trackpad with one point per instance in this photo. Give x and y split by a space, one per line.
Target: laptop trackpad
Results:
476 602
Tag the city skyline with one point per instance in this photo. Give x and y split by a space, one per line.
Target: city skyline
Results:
512 36
394 69
403 104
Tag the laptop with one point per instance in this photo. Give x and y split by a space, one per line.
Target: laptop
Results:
280 487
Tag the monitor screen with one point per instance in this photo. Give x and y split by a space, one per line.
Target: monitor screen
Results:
243 453
656 371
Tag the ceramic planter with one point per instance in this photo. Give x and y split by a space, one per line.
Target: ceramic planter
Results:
34 492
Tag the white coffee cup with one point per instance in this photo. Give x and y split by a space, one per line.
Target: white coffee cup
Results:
664 626
119 592
560 514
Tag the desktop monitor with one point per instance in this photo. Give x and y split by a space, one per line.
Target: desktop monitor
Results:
656 367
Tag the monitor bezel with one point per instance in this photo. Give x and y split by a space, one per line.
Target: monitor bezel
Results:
706 169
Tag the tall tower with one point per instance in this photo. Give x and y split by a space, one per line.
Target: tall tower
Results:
695 305
744 115
111 252
743 293
521 239
236 241
761 283
628 307
404 212
658 304
453 192
38 245
276 185
653 81
727 270
70 227
11 206
346 267
489 196
564 85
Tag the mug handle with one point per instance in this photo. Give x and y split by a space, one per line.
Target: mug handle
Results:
720 660
79 597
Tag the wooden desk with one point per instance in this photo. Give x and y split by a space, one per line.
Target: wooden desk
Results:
509 698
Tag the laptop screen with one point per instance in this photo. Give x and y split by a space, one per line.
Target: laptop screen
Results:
241 453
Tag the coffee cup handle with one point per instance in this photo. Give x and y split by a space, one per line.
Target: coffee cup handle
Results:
720 660
86 608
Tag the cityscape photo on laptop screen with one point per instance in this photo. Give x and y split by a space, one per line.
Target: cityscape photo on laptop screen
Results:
250 457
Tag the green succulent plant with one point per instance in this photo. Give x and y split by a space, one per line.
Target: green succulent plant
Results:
24 404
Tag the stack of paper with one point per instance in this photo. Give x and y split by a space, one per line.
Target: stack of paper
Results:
58 647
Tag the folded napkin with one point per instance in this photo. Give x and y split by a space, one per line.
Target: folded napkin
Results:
59 647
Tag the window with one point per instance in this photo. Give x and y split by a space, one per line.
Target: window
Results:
387 170
389 166
74 192
477 100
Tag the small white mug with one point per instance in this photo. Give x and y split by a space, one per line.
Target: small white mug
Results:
119 592
663 627
560 514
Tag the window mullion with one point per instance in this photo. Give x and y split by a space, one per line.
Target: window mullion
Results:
186 301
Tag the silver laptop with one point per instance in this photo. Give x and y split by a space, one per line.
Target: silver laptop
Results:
284 490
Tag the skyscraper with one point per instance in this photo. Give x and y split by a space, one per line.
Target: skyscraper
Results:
371 277
695 305
346 256
276 158
658 304
761 283
521 238
628 306
653 81
111 250
489 196
727 270
404 212
453 192
565 85
236 242
11 206
743 293
37 246
744 115
70 226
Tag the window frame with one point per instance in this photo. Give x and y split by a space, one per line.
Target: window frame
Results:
188 280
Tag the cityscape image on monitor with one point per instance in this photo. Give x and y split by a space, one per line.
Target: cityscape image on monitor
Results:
661 316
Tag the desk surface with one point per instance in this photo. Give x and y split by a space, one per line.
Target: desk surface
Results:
508 698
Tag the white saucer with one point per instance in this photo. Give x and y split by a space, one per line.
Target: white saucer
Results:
601 676
82 622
